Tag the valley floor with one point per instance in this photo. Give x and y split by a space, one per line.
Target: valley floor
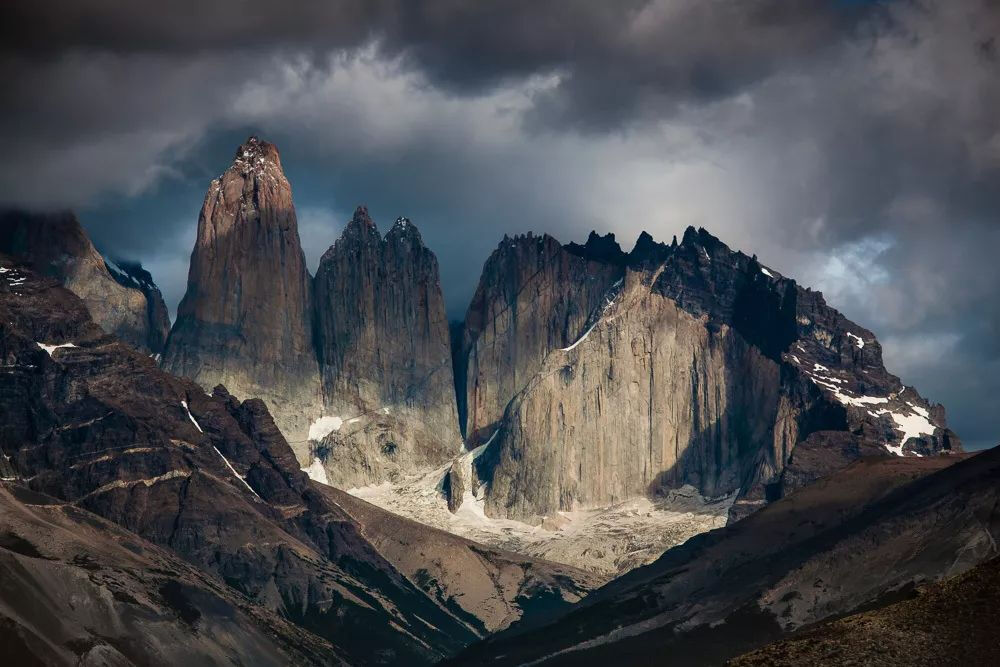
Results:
607 541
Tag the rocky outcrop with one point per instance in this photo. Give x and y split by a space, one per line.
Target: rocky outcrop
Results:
534 296
121 296
246 318
95 425
860 538
698 366
384 356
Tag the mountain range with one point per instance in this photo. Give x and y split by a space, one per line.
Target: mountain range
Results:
230 456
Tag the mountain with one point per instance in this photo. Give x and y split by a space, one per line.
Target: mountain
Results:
101 428
384 356
949 622
859 538
631 375
246 318
121 297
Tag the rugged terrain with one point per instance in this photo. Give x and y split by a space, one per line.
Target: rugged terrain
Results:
98 426
952 622
854 539
606 542
120 296
76 589
246 318
384 355
694 365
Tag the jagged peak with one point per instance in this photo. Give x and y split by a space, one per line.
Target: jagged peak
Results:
255 147
361 219
403 228
525 239
256 156
599 248
361 228
647 250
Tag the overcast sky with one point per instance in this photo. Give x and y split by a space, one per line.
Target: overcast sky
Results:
853 145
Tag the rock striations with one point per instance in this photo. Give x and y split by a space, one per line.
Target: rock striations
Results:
672 365
121 297
384 356
246 318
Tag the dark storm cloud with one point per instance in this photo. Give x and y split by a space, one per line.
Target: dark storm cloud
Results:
615 57
854 145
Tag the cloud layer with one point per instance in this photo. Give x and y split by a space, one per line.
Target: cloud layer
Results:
853 145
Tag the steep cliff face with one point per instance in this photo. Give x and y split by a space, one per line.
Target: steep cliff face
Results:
646 401
121 297
385 356
701 367
245 320
534 296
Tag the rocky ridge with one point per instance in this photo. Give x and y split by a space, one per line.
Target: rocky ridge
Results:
696 365
121 296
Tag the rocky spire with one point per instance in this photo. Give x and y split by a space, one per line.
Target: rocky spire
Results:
245 320
385 355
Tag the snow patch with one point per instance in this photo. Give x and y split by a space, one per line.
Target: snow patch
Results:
608 303
858 340
912 426
766 272
860 400
191 417
324 426
231 468
52 348
580 339
316 471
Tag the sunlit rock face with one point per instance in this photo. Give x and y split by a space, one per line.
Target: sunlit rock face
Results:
120 296
246 318
534 296
696 365
384 355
